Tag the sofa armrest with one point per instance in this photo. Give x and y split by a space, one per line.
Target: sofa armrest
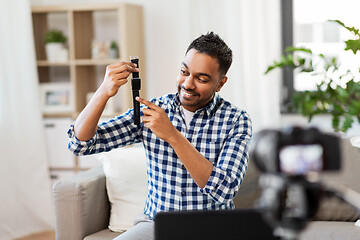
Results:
81 205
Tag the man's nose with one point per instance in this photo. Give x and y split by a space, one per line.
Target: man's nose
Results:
189 82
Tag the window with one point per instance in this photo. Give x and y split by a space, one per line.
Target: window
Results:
305 24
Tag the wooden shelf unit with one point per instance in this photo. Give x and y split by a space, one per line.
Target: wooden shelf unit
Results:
80 24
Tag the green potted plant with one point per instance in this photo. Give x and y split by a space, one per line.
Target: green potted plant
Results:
54 45
113 50
337 93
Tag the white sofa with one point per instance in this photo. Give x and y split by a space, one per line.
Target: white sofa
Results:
82 206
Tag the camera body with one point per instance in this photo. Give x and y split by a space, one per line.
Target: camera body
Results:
286 157
296 151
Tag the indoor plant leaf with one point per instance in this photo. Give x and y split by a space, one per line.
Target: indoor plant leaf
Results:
54 36
353 45
343 103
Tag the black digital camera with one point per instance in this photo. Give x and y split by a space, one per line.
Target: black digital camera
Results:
286 158
296 151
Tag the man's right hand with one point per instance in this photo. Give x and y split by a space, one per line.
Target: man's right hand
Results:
115 76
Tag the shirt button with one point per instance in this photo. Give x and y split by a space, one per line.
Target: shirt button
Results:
183 193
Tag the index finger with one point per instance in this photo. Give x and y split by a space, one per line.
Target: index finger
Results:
122 67
118 64
147 103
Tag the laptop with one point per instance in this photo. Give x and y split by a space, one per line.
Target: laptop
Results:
211 225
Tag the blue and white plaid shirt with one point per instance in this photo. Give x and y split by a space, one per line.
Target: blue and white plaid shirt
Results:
219 131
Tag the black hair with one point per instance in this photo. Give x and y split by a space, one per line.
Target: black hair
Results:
212 45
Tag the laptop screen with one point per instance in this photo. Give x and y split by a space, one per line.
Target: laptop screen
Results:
215 224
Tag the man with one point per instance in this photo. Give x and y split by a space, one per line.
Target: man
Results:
195 141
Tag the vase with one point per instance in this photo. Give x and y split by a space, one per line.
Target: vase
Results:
113 53
52 50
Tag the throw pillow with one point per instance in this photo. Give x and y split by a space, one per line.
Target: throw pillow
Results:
125 171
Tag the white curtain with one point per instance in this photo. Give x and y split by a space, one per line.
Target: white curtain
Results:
252 29
25 205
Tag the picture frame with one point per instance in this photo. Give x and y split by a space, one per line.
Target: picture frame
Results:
56 98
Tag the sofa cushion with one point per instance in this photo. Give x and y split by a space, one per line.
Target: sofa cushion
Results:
126 183
330 230
105 234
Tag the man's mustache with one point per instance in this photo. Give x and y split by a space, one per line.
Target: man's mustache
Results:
189 90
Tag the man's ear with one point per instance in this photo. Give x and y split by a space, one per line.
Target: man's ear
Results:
221 83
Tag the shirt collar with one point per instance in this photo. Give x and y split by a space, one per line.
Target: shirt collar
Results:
208 109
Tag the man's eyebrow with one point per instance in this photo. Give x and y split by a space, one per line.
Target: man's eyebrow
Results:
200 74
185 65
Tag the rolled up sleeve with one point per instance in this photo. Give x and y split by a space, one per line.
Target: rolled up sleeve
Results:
119 131
230 168
77 146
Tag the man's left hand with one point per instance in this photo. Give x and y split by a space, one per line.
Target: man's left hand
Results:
157 121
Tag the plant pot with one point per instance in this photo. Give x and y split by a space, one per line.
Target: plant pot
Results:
113 53
52 50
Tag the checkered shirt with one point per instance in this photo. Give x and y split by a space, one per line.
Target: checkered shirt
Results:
219 131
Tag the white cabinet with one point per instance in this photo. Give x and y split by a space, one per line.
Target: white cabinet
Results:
58 155
62 162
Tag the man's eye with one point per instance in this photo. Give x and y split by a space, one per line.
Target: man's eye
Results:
183 72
